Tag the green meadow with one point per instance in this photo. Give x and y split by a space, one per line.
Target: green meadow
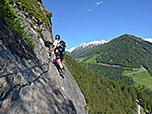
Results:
142 79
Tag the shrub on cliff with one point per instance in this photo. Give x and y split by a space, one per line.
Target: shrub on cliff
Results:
8 15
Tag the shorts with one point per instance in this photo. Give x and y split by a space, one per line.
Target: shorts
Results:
59 56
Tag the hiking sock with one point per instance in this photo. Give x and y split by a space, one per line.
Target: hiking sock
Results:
63 69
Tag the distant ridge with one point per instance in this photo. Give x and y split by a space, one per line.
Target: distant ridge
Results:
70 50
148 39
92 43
83 47
126 50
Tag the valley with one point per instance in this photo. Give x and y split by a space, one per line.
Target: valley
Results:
100 77
126 60
141 77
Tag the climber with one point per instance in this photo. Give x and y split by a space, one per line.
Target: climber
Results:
59 48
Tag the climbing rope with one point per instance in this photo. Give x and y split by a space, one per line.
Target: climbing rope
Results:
5 75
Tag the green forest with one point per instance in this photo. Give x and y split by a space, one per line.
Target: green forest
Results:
126 50
104 96
137 77
113 73
115 95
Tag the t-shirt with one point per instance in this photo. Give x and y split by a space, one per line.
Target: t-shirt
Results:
56 43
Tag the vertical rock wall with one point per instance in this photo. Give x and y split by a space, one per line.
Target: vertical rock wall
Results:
40 90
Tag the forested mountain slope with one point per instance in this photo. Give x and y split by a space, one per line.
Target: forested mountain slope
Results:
126 50
82 48
105 96
29 83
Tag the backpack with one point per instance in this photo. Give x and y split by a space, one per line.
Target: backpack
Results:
62 47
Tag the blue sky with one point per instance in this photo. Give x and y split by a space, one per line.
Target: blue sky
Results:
79 21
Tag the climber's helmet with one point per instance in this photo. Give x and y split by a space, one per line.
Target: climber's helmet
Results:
57 37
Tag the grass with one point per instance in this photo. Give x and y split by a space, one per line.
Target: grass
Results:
92 60
33 9
141 79
80 59
129 71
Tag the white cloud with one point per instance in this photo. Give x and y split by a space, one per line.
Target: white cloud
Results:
89 10
98 3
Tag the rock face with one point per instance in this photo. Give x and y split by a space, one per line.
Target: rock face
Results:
39 90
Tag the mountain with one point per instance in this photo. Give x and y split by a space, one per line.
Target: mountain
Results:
126 50
104 96
70 50
126 59
29 83
82 48
91 44
148 39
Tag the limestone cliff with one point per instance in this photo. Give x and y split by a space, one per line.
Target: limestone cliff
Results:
40 90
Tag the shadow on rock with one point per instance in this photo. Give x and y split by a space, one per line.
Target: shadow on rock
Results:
66 106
